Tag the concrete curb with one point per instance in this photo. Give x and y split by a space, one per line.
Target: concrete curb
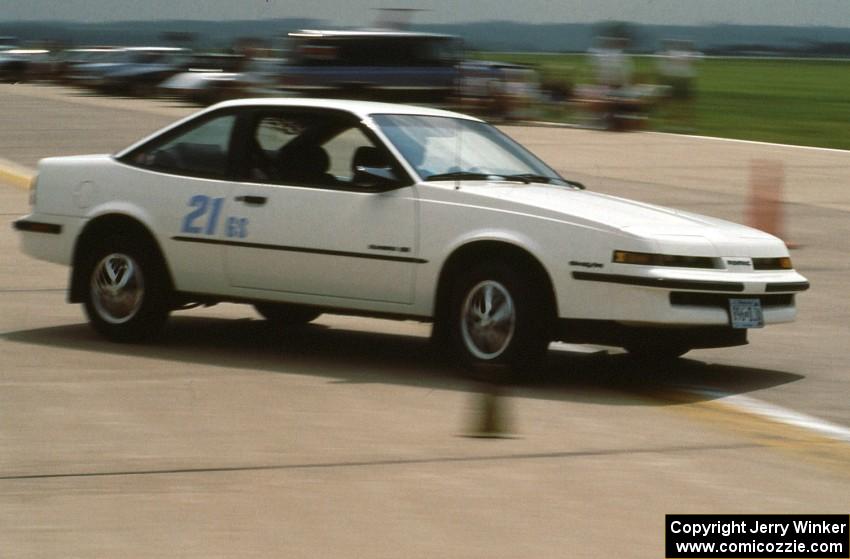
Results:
15 175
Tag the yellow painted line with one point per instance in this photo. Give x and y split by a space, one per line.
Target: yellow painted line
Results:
768 430
15 175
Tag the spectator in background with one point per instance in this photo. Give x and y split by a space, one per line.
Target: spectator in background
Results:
612 102
611 66
677 73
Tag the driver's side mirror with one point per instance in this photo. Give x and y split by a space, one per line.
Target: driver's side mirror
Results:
374 177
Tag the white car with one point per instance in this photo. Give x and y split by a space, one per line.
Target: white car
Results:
300 207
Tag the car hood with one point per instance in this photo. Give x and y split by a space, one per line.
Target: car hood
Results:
668 226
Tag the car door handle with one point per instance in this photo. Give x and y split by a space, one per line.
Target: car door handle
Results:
252 200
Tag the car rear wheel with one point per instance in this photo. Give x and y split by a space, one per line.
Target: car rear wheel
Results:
497 317
126 294
286 315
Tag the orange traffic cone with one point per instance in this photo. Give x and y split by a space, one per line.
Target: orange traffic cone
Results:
766 207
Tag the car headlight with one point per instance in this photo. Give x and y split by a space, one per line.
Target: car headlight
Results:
651 259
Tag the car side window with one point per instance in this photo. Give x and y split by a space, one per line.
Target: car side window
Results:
284 148
201 150
308 148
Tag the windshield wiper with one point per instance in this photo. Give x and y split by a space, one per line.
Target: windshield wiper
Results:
460 175
529 178
525 178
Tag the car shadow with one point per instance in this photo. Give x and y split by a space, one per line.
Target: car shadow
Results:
358 357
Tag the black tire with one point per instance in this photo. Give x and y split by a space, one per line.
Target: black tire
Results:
657 351
126 289
498 317
281 314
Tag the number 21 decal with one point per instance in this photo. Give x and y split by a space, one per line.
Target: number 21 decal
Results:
204 218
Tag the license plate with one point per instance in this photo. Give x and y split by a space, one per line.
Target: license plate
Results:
746 313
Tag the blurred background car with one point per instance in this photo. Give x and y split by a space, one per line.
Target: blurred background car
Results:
68 60
145 71
8 42
131 70
20 65
236 76
85 69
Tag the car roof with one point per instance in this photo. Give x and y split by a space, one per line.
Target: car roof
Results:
362 109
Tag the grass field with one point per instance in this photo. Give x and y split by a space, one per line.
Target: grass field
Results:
802 102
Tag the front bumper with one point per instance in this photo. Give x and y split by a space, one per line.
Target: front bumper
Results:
678 297
615 334
48 237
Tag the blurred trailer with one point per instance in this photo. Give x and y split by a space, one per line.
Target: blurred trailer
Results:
378 65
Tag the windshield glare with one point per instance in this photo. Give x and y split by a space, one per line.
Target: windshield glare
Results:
438 146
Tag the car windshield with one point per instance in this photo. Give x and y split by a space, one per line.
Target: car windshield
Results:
445 148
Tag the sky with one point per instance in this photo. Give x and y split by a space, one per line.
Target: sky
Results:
834 13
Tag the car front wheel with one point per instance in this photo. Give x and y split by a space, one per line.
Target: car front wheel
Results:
498 318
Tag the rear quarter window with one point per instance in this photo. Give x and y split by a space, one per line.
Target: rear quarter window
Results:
201 150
